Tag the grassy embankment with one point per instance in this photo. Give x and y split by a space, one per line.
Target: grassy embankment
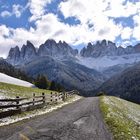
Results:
122 117
14 90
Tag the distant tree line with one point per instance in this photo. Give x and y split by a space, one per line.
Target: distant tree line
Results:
42 82
10 70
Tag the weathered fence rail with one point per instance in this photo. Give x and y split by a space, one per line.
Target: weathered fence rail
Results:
10 107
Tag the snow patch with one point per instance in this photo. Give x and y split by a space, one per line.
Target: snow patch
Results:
104 62
11 80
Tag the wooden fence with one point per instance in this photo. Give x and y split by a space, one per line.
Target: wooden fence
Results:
9 107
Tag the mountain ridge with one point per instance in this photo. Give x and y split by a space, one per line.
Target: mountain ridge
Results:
107 48
126 84
29 52
61 49
63 64
10 70
67 73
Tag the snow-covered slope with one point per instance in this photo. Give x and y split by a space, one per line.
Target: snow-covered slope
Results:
101 63
8 79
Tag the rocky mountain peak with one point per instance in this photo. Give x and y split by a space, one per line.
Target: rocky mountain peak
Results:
98 43
137 48
107 48
14 51
104 43
49 48
89 45
96 50
50 42
14 55
60 49
111 44
28 51
63 50
29 44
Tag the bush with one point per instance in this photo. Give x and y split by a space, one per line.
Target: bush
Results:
101 93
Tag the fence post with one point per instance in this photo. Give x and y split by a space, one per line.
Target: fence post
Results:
56 97
60 96
17 102
55 94
66 94
64 97
33 98
51 97
43 96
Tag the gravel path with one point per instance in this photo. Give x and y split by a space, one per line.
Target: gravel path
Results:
81 120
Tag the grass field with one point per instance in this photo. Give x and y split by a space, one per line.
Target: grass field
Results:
122 117
14 90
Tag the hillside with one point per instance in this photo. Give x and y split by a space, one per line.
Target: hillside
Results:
109 65
125 85
10 70
67 73
10 90
122 117
85 70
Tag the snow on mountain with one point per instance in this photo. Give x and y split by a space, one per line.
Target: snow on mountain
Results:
101 63
99 56
10 80
60 62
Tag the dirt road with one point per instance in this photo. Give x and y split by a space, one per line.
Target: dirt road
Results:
81 120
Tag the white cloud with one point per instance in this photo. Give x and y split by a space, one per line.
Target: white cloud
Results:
5 45
136 33
49 26
126 33
94 12
136 19
17 10
116 8
4 31
37 8
84 10
98 13
5 14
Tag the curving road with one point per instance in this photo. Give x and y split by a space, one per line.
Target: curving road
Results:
81 120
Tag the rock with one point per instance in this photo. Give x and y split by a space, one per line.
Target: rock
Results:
28 51
107 48
60 49
137 48
14 55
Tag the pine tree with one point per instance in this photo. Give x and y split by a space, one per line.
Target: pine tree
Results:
42 82
53 86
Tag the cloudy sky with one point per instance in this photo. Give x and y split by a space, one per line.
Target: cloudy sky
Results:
75 21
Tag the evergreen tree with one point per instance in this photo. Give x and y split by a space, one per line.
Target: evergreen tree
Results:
42 82
53 85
